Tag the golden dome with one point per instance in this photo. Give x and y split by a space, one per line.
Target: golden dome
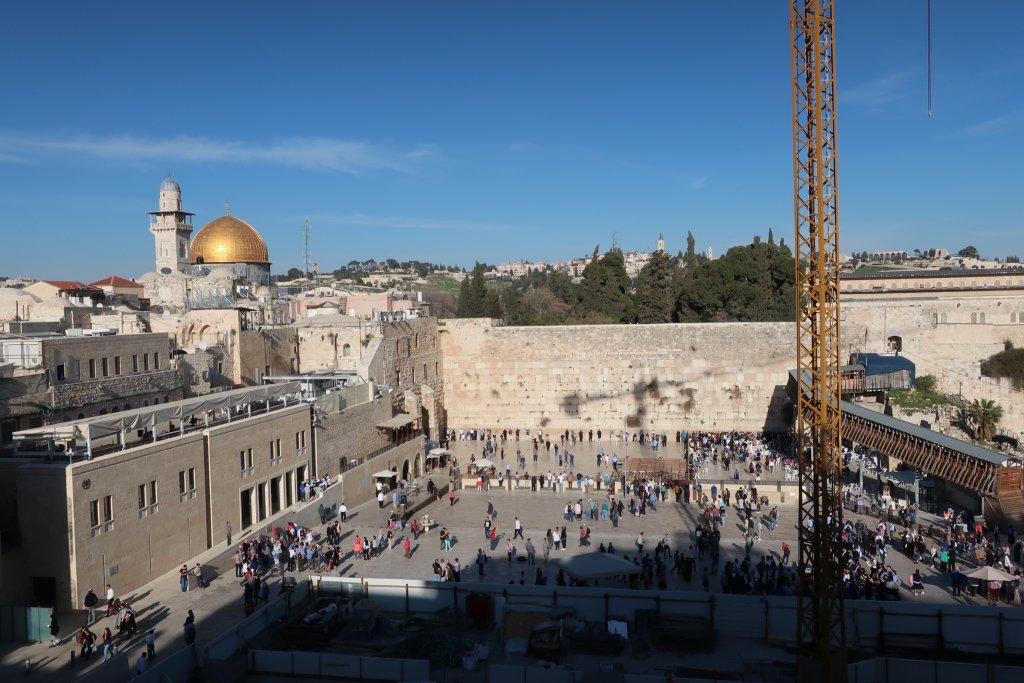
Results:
229 240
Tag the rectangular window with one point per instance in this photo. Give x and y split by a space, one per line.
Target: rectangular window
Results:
135 362
303 438
92 368
105 366
117 365
108 512
241 461
414 375
424 372
94 513
181 483
191 479
297 446
142 496
277 448
145 363
156 361
153 500
61 372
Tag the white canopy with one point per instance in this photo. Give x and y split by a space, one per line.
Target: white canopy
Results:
596 565
148 418
989 574
439 451
482 462
385 474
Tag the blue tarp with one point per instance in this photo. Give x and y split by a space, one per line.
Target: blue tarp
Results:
877 364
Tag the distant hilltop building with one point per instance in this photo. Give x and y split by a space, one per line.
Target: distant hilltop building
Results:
634 262
226 257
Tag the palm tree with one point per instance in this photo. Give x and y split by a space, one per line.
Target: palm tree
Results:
985 415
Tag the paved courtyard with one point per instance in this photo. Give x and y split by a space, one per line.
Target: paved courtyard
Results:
162 606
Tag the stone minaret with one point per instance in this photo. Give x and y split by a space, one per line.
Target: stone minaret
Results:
171 228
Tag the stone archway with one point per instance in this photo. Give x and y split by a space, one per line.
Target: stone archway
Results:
895 343
405 471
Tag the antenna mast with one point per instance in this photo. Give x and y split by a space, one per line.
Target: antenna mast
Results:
307 231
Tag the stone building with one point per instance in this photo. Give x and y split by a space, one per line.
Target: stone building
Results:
148 489
58 378
413 366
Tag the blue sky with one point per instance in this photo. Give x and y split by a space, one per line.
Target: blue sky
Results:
459 131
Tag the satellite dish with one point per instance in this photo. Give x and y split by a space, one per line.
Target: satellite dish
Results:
165 270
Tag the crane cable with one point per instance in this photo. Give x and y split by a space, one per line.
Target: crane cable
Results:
929 58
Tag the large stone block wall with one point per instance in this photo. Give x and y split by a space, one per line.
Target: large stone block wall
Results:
938 335
616 377
351 434
414 366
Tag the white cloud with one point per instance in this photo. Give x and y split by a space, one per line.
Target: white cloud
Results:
408 223
880 91
998 125
316 154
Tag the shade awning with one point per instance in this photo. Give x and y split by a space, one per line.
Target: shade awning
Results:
596 566
398 421
989 574
385 474
149 417
482 462
439 451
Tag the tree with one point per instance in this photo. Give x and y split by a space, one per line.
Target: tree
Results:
473 300
655 294
771 237
691 252
295 274
925 383
984 415
968 252
392 264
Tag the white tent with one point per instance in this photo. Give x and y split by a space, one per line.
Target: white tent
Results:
596 565
989 574
439 452
482 462
385 474
150 417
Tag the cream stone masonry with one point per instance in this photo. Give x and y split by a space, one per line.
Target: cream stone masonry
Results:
650 377
945 335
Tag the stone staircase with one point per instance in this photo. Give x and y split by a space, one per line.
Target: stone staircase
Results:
1006 508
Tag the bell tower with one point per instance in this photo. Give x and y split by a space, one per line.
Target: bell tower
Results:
171 228
661 241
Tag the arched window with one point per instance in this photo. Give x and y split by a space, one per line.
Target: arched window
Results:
974 318
81 416
895 344
981 317
103 411
346 350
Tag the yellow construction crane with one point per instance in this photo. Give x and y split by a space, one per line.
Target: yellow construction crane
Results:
821 633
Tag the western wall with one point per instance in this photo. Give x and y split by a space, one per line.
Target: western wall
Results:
617 377
946 336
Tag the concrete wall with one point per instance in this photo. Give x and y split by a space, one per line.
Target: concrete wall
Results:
615 377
